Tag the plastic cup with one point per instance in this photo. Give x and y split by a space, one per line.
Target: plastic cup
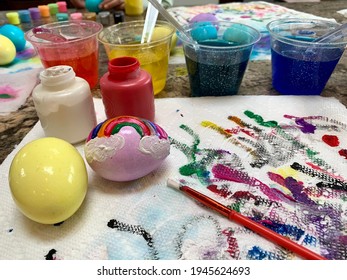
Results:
217 62
301 66
76 46
124 39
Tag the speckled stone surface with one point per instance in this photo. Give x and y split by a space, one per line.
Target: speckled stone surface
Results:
257 81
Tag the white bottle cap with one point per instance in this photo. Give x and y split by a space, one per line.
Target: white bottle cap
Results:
57 75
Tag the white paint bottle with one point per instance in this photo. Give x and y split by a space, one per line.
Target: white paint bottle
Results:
64 104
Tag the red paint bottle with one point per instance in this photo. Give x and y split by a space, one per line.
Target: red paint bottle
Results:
126 89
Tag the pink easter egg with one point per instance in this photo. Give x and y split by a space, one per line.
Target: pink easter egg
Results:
126 148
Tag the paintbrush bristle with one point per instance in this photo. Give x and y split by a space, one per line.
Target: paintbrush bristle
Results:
173 184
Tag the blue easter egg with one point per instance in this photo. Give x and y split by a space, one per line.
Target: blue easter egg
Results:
93 5
203 31
237 33
15 34
203 17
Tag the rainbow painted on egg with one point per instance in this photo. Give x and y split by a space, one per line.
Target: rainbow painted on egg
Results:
126 148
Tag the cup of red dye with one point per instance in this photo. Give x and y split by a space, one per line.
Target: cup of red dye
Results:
300 65
72 43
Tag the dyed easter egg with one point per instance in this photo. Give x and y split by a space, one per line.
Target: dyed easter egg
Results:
203 17
15 34
160 33
126 148
7 50
237 33
93 5
48 180
203 31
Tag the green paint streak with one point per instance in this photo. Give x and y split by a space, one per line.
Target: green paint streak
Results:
235 206
259 119
117 128
6 96
198 159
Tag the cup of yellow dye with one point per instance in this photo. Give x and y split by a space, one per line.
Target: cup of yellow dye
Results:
124 39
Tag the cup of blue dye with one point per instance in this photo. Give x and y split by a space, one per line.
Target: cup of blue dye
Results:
301 65
217 60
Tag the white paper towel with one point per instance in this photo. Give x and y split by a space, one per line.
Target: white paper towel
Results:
246 162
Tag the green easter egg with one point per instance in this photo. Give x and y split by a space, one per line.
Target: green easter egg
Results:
237 33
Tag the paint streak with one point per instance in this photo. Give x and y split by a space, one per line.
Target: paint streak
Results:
8 93
303 125
297 190
259 119
283 229
226 173
199 159
331 140
328 181
256 253
6 96
343 153
138 230
233 247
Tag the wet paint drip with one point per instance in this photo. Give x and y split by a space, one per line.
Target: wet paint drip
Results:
138 230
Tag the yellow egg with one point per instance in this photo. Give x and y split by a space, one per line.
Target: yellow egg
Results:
48 180
173 42
7 50
160 33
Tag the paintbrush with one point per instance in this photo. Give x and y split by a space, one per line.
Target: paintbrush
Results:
247 222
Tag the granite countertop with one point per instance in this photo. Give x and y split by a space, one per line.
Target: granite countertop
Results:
257 81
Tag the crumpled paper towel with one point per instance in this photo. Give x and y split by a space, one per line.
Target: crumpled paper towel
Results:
238 150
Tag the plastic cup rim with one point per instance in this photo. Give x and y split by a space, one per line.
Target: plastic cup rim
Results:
299 42
135 23
29 34
187 42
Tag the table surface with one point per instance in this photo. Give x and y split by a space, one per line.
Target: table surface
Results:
257 81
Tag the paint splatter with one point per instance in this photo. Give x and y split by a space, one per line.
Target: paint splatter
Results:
303 125
331 140
51 255
343 153
7 93
138 230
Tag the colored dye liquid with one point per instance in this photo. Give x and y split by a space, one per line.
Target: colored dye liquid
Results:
154 60
300 77
85 67
219 74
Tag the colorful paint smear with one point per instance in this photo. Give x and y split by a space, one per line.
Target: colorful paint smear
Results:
306 205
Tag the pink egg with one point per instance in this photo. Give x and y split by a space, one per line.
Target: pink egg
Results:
126 148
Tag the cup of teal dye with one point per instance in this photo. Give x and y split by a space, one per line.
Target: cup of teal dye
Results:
217 61
301 65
